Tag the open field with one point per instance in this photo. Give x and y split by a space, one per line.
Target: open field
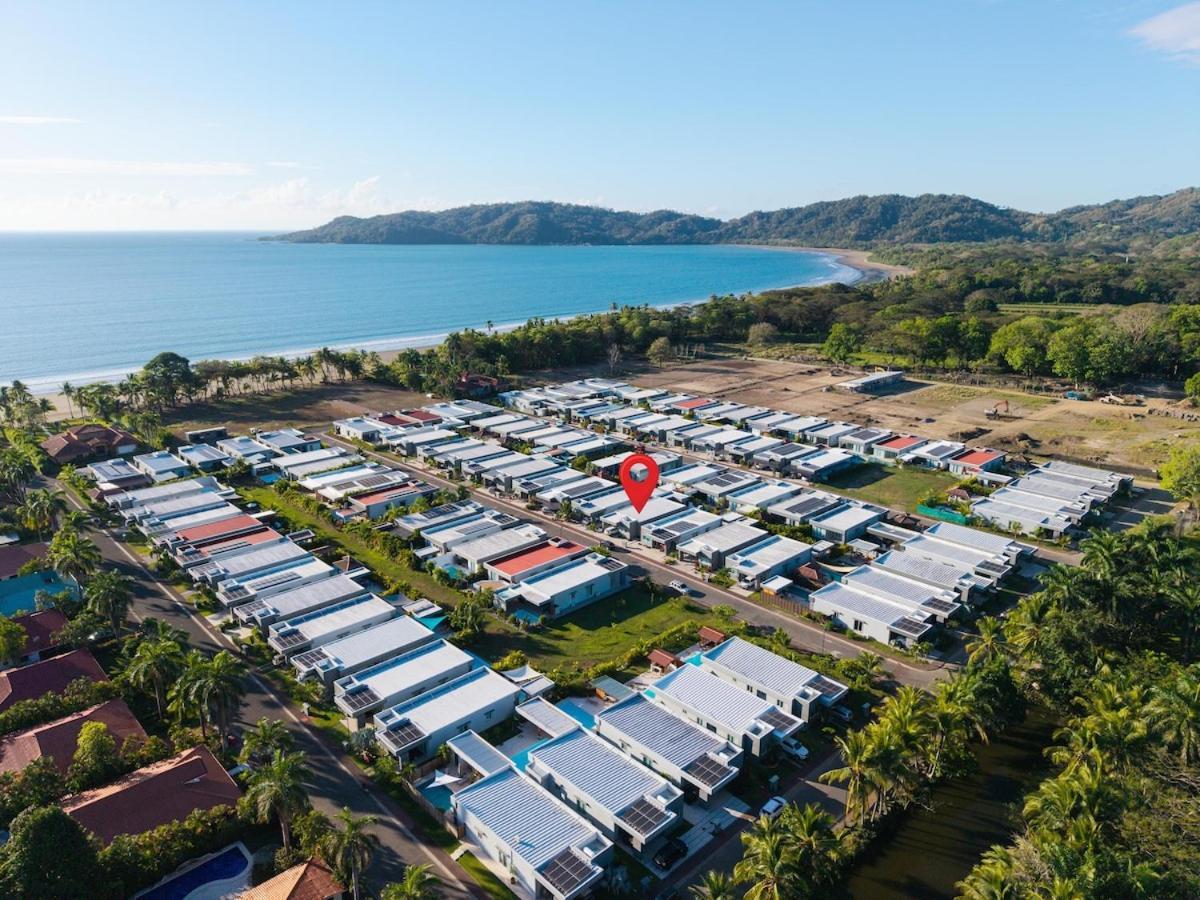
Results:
891 486
596 633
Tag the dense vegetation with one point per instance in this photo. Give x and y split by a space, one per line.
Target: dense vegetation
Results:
855 221
1111 647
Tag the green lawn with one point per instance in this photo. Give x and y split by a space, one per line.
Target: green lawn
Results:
891 486
483 876
595 634
380 563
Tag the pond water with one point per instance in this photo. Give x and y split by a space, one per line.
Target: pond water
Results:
926 851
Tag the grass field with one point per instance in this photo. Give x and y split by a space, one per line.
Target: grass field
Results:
944 396
891 486
595 634
484 877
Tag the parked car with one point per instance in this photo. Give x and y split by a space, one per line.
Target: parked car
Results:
680 586
773 808
794 748
670 853
842 712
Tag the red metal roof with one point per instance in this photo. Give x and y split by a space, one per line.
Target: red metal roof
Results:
49 675
255 537
693 403
41 629
162 792
421 415
977 457
527 559
59 738
210 530
662 658
901 442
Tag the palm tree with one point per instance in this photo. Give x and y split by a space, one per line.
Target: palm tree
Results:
348 850
72 555
991 879
108 596
277 790
221 689
813 841
1185 603
154 666
267 736
39 509
187 691
857 773
988 644
1175 714
417 884
68 391
766 863
715 886
1102 553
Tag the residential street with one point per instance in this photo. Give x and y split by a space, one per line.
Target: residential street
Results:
334 781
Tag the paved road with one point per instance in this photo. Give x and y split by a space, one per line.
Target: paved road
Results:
805 635
334 782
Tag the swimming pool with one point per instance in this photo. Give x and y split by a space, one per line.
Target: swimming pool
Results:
225 872
580 715
437 794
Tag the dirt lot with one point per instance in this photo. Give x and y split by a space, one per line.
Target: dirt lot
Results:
302 407
1125 438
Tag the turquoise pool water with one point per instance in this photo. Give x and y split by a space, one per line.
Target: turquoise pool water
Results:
437 794
18 595
582 716
227 864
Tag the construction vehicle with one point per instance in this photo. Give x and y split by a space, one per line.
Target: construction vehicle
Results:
995 411
1123 399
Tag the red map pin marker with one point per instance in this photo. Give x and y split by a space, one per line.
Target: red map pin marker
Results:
638 485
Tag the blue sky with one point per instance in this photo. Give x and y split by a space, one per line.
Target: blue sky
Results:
149 115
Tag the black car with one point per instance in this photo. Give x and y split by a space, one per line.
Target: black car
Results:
670 853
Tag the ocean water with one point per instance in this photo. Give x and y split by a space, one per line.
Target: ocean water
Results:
87 307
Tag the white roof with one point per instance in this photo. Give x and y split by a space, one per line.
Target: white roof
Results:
451 702
714 699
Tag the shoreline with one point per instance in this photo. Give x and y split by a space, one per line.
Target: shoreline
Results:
388 348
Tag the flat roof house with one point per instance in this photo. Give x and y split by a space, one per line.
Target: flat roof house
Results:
413 730
566 587
934 454
400 678
938 573
921 598
895 447
330 624
261 560
762 495
829 434
157 794
161 466
523 564
446 537
693 758
377 503
289 440
548 848
869 615
141 496
974 460
446 514
717 488
1020 518
798 510
245 447
846 522
711 548
298 466
861 441
315 595
779 458
625 521
204 457
631 804
822 465
504 478
875 381
794 688
243 541
367 429
666 534
773 555
745 451
117 474
353 653
475 554
736 715
232 592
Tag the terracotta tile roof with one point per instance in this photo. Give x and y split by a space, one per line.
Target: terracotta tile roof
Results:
693 403
977 457
160 793
663 659
710 634
86 440
901 442
54 674
41 628
14 556
310 880
58 739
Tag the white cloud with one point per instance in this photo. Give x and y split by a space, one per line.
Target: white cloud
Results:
1175 32
274 164
63 166
38 120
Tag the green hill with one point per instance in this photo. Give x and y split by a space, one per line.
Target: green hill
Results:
862 221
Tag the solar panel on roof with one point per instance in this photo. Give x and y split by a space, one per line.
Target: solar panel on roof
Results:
403 735
356 700
910 627
290 640
567 871
643 816
938 605
707 771
310 657
234 591
825 686
777 720
275 580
